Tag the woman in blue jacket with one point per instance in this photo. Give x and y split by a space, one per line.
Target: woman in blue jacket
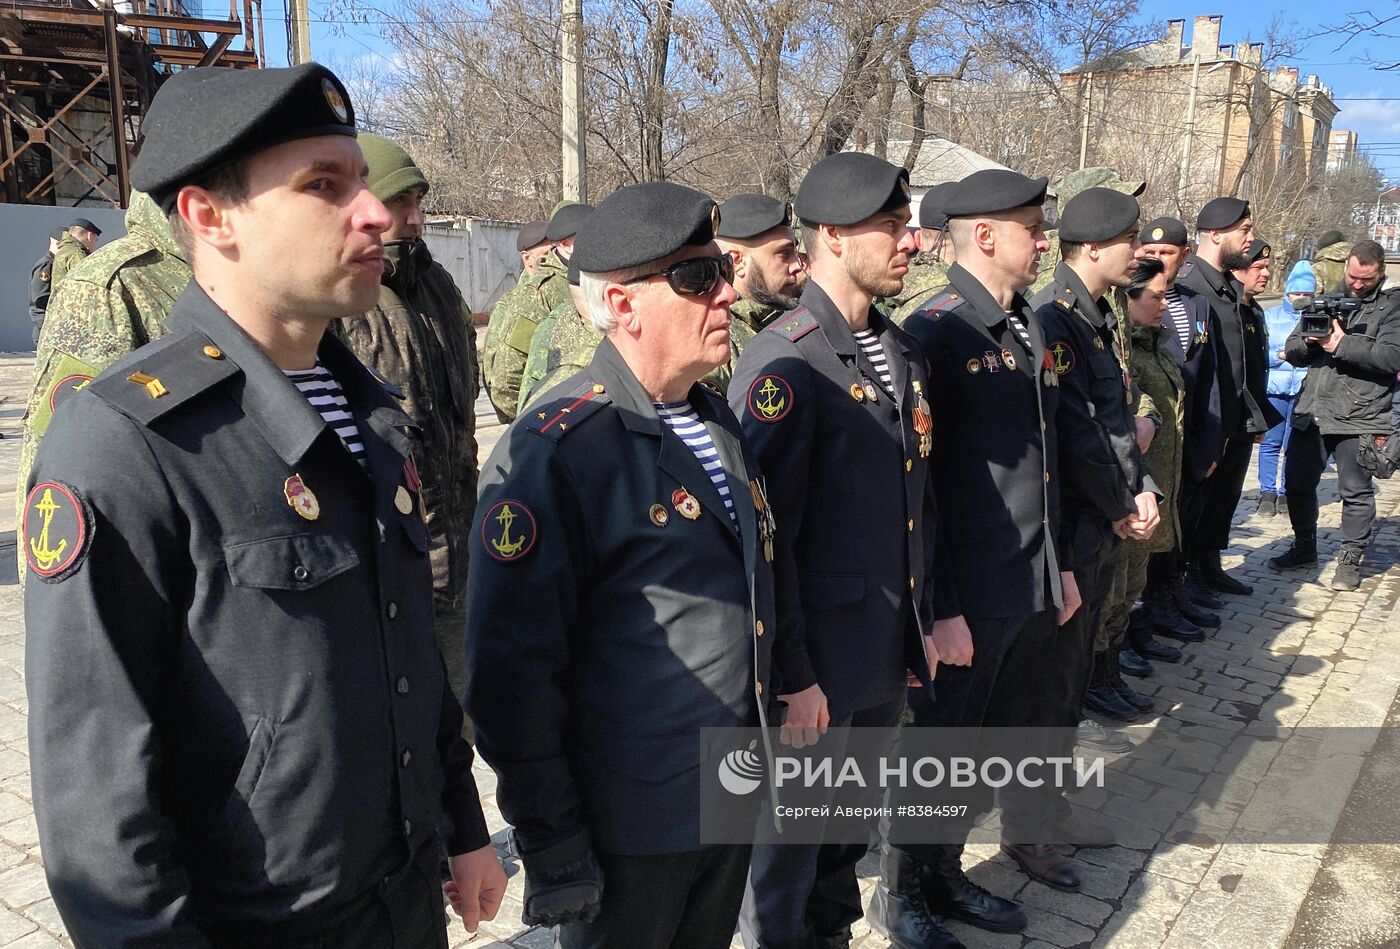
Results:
1284 383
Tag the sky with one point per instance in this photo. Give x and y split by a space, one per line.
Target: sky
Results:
1369 98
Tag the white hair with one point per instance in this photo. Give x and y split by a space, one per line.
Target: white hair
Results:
593 288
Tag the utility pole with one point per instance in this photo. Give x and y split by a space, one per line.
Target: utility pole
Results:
1183 182
301 31
1084 129
575 128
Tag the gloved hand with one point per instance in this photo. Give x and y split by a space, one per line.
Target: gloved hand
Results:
563 882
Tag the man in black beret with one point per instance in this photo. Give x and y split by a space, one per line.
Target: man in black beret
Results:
1191 336
1224 229
1105 491
41 283
77 242
928 271
833 398
226 554
532 243
621 595
997 573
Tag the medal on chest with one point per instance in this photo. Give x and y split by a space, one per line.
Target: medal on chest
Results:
923 420
767 526
685 504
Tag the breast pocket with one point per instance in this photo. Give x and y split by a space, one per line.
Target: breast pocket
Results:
290 562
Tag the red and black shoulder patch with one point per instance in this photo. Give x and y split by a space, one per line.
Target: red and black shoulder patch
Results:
56 531
770 398
509 531
557 418
1061 357
796 325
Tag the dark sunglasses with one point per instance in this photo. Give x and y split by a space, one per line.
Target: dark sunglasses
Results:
695 277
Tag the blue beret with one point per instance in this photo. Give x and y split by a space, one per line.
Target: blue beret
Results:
848 187
1098 214
993 190
207 118
644 222
1221 213
749 215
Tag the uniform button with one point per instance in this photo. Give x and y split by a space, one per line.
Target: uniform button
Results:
392 609
406 757
1042 426
911 525
407 828
1047 477
402 685
758 627
300 573
213 352
911 583
759 687
909 464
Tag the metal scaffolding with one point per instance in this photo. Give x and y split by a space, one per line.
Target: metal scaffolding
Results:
76 77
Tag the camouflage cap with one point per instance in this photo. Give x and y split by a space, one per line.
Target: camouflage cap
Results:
1099 176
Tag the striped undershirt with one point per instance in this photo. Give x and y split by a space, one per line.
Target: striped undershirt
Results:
1020 329
683 420
869 344
1180 321
326 397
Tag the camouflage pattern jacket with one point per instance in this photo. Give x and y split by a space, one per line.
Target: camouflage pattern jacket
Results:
70 253
1159 393
420 339
1329 266
514 319
927 275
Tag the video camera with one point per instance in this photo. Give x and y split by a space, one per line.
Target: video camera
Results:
1318 315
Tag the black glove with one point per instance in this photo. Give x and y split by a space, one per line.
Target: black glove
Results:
563 883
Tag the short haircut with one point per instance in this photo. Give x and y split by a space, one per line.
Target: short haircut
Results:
1148 269
593 287
1368 253
1069 249
229 182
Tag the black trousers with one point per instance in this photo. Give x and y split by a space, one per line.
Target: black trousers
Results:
667 901
803 895
1208 508
1308 449
1008 685
1091 545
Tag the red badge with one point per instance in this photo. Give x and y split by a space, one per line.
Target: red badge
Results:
685 504
410 475
770 398
509 531
56 531
65 387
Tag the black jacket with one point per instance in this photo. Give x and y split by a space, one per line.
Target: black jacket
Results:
850 489
238 709
40 286
994 454
1202 438
1349 392
607 627
1100 465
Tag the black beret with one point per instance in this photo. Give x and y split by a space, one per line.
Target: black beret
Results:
532 235
1328 238
1098 214
848 187
206 118
993 190
57 233
1164 230
749 215
644 222
933 206
573 270
1258 249
86 225
567 220
1221 213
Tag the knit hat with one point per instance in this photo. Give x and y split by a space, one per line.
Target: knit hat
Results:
1301 279
391 169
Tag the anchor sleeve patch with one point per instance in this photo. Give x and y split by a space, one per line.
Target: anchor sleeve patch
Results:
57 530
509 531
770 398
1061 357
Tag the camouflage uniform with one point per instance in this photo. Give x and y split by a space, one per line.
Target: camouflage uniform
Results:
563 345
420 338
514 319
1071 185
747 320
115 301
1329 266
70 253
927 275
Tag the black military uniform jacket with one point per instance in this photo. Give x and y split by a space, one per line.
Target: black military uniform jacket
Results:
239 716
1241 342
1349 391
855 509
994 455
40 286
616 610
1101 468
1202 439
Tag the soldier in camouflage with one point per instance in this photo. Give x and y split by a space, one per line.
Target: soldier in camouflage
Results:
1329 264
518 313
1099 176
928 271
73 248
420 339
563 344
115 301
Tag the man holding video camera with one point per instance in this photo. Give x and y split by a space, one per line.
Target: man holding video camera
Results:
1351 346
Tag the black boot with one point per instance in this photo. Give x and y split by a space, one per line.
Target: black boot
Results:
1140 638
1348 573
1133 664
1268 504
1283 504
1303 553
1103 698
1163 618
1196 613
951 894
1126 692
1218 580
1199 593
898 910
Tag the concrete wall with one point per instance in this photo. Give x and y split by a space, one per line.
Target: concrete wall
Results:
480 256
24 236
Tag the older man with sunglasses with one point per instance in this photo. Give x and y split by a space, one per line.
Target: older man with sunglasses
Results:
621 592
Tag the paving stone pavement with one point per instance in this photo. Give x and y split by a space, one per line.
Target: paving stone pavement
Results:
1222 811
